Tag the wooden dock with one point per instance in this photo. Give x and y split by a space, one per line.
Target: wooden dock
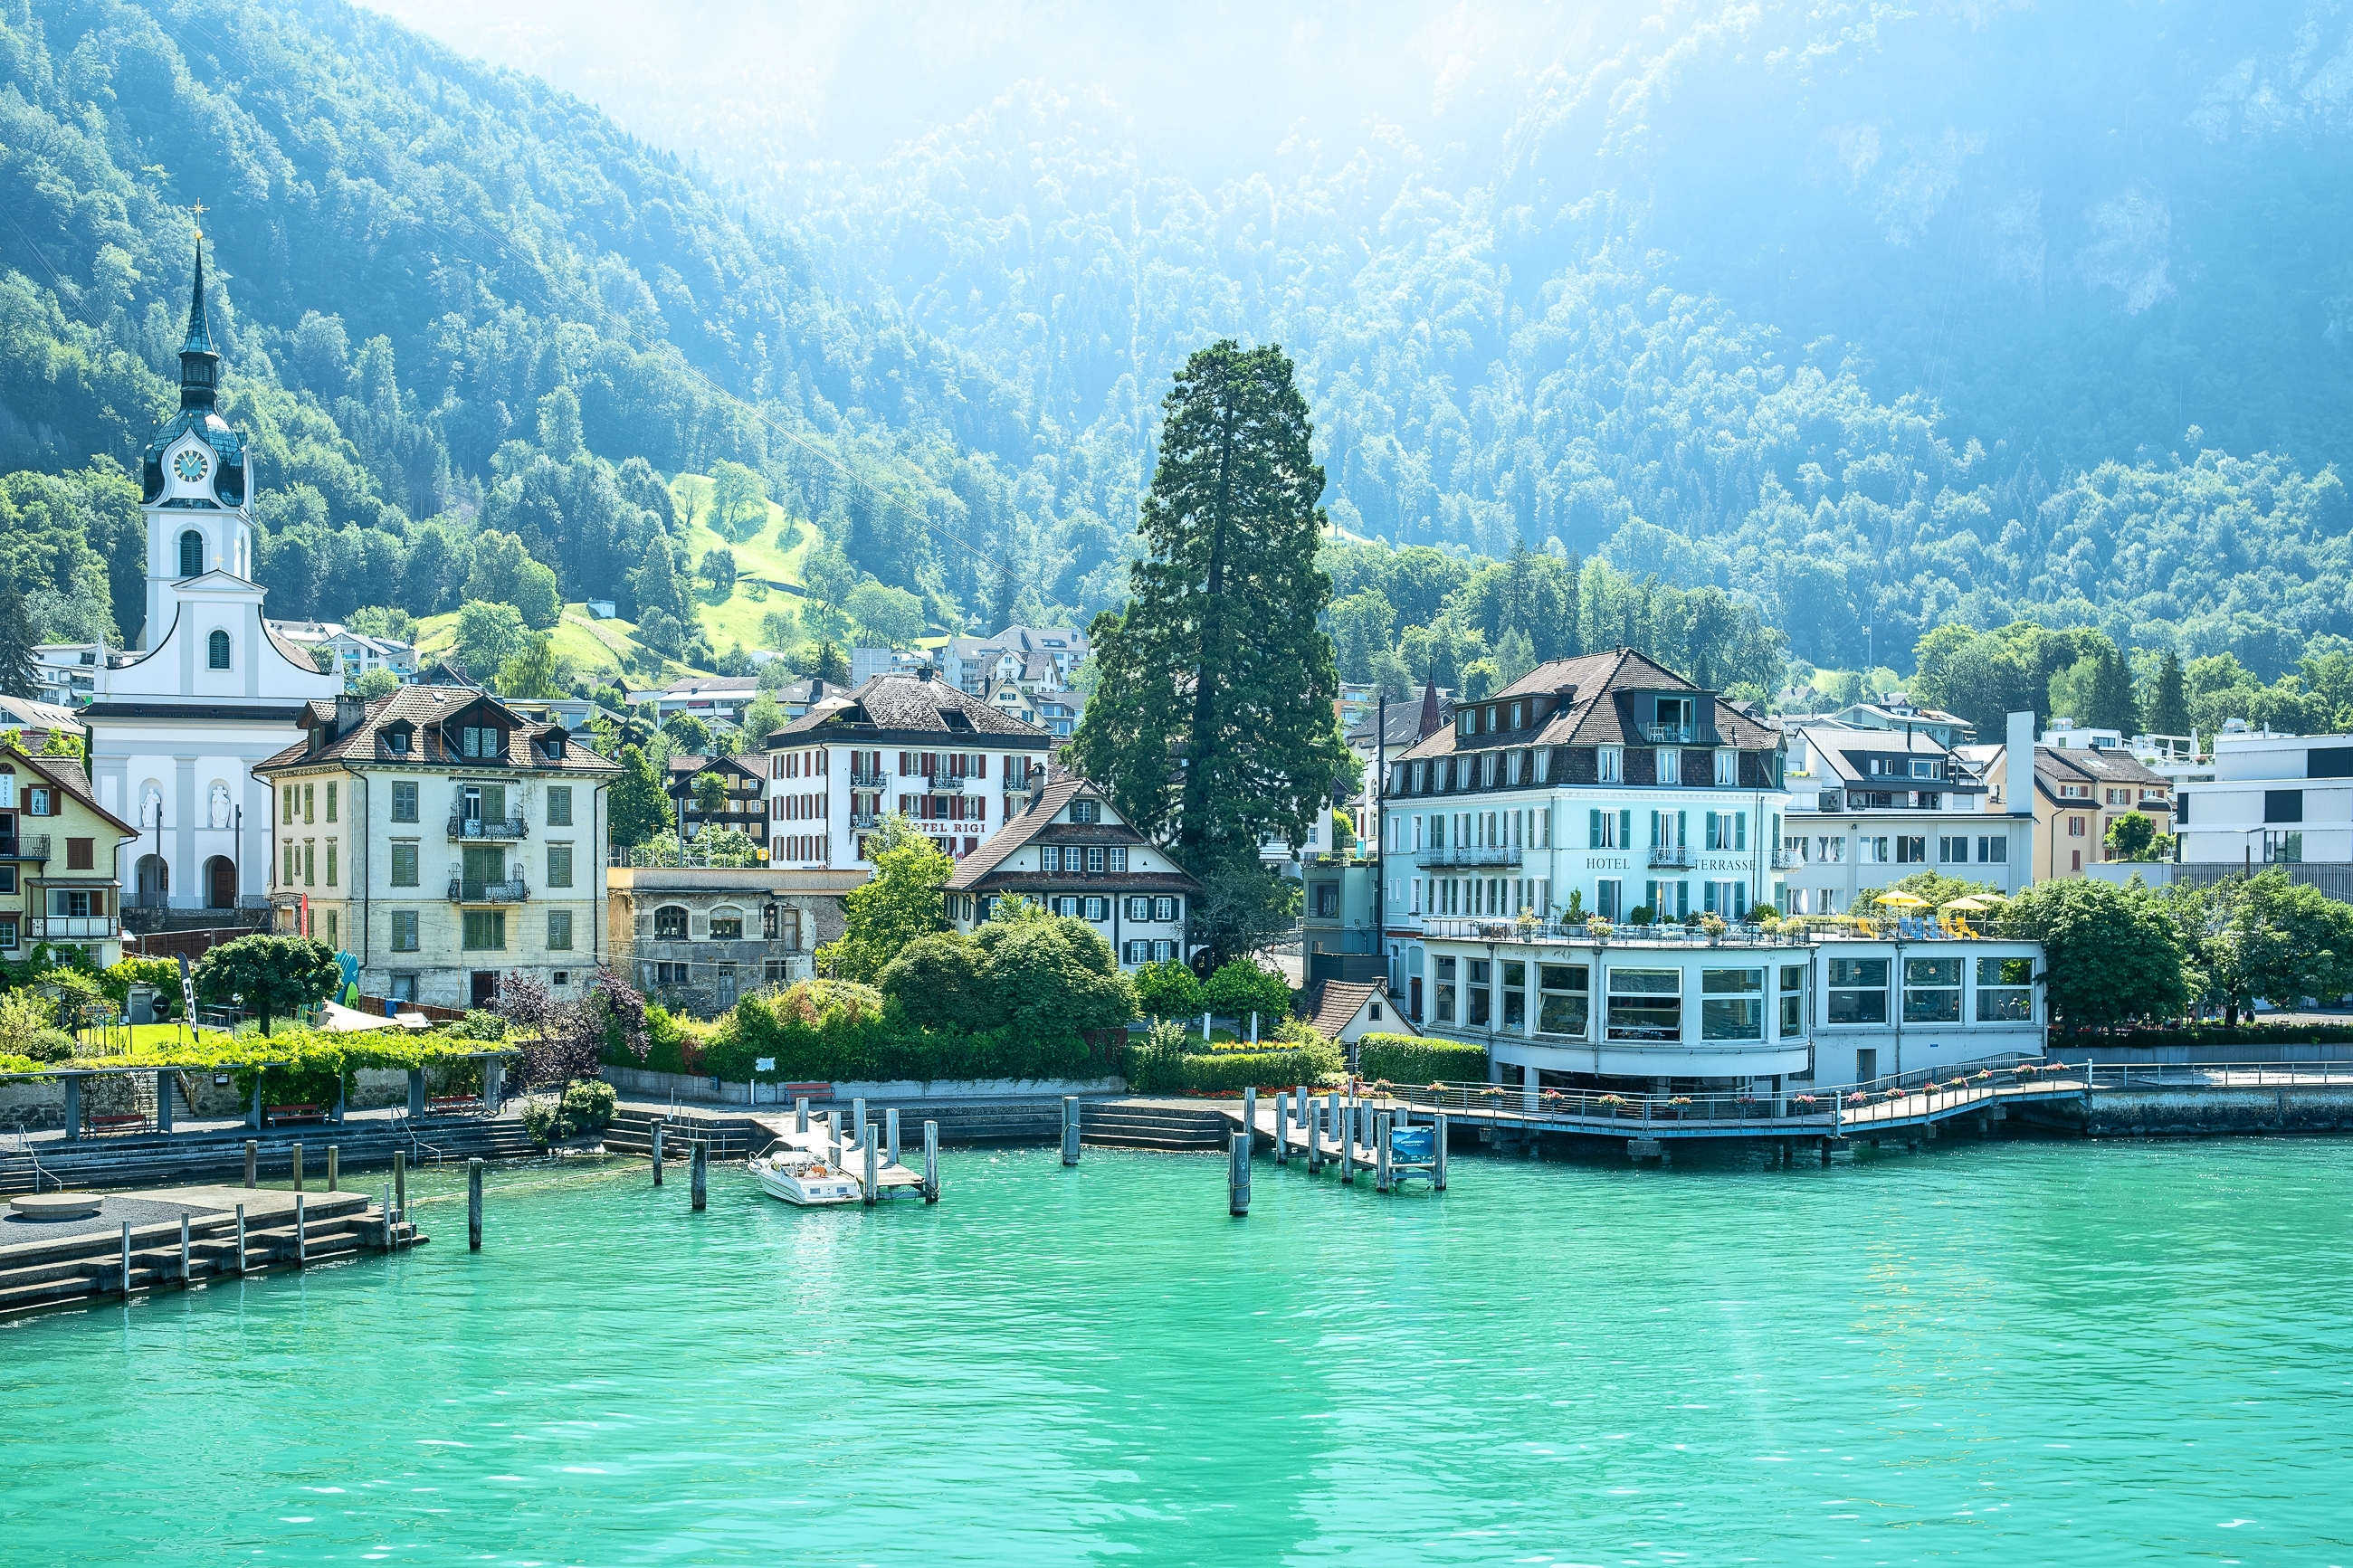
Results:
183 1236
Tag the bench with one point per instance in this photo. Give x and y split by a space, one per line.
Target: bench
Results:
808 1090
286 1115
453 1104
132 1122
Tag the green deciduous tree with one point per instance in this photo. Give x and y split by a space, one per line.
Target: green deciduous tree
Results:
739 502
2110 953
889 617
488 635
901 902
531 673
1168 989
718 569
639 808
2265 938
270 974
1239 987
505 574
1212 722
2131 834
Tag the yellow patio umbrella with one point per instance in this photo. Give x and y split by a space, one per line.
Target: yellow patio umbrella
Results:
1904 899
1971 901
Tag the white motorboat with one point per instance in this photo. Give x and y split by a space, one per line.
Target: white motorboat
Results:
799 1176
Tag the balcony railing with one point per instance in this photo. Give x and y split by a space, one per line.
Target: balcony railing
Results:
1787 859
71 928
488 830
956 784
868 781
1473 854
868 821
1673 856
26 846
464 892
1678 734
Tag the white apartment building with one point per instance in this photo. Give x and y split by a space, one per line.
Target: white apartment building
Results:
1868 807
2271 800
1077 855
954 764
444 840
1607 785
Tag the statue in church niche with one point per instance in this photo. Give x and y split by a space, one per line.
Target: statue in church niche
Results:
220 804
151 808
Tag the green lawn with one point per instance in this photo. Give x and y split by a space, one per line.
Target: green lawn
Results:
757 559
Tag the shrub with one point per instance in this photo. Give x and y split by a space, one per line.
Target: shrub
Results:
1168 989
835 1031
480 1024
1153 1070
1416 1058
164 974
584 1106
1240 987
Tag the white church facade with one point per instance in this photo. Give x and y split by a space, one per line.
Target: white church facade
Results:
176 730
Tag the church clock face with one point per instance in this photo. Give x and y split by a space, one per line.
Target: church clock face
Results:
189 465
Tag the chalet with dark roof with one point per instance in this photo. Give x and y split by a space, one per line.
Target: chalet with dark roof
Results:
1075 854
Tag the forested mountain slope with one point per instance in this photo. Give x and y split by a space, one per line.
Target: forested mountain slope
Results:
1882 315
412 252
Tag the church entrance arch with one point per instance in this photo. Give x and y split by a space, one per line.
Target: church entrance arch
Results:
154 881
220 883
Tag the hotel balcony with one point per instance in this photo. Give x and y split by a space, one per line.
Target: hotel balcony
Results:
1460 855
1673 858
72 928
488 830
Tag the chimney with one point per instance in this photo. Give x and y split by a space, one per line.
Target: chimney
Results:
925 672
351 712
2018 765
816 689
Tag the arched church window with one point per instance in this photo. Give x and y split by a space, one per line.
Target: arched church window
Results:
191 556
218 644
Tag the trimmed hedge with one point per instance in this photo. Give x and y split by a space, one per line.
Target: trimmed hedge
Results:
314 1063
1152 1071
2249 1035
1418 1058
835 1031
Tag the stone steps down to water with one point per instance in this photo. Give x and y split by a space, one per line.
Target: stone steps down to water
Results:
87 1265
162 1159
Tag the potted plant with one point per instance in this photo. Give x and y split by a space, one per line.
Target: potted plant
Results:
1598 929
1714 927
1527 923
1801 1100
1611 1103
1858 1098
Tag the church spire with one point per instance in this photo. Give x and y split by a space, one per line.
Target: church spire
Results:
199 363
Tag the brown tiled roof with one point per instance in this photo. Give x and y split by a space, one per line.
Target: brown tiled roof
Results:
998 845
910 706
428 709
1339 1003
67 774
1605 684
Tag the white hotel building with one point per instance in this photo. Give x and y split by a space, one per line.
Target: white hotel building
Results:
956 766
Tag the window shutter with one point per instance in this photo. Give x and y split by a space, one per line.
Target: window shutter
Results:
1712 820
1682 830
902 764
1740 831
1625 828
1593 829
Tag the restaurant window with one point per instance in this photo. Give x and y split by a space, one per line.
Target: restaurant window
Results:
2005 991
1911 849
1646 1004
1932 989
1565 999
1858 990
1793 1001
1516 994
1477 987
1992 850
1444 987
1732 1004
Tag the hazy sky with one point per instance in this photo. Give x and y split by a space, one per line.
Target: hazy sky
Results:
1211 89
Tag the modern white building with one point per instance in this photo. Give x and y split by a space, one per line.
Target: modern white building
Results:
444 840
1073 853
958 767
176 732
1603 786
354 653
1564 1011
2271 800
1868 807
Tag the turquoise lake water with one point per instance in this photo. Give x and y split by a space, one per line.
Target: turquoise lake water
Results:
2003 1353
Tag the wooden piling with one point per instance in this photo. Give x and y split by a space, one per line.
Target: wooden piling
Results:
185 1251
1314 1136
400 1181
858 1118
474 1205
1381 1153
658 1153
387 1216
1070 1130
1250 1117
240 1239
873 1192
800 1114
301 1233
1237 1178
930 1162
698 1182
1438 1147
126 1258
298 1167
1348 1151
335 1166
252 1159
890 1134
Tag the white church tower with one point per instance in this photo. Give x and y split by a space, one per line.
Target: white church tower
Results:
175 731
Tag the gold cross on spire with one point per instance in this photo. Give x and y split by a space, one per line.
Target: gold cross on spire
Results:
199 210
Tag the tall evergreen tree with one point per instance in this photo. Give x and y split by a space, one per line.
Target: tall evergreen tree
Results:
2111 704
637 807
18 637
2169 702
1212 723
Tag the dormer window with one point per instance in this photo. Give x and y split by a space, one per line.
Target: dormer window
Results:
1466 723
1611 764
1519 715
395 740
481 740
1084 811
